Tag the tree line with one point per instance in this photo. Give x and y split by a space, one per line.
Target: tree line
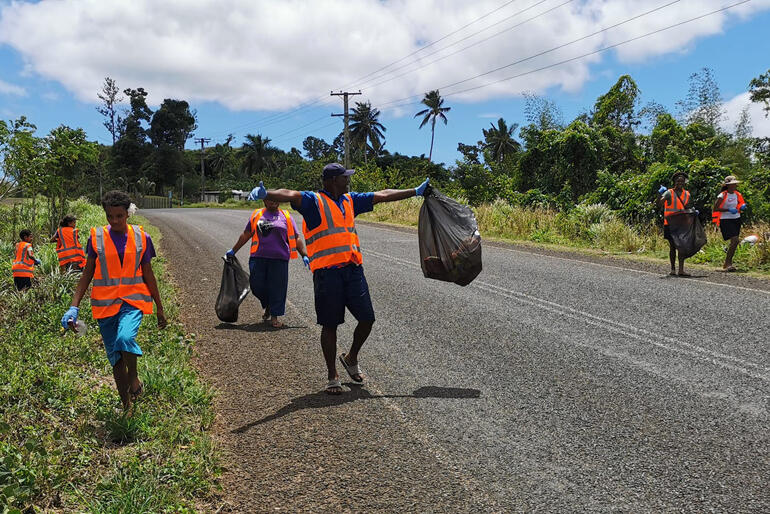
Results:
617 152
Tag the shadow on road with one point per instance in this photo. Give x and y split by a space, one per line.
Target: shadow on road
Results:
321 400
255 327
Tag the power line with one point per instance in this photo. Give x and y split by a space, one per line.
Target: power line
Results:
470 36
396 103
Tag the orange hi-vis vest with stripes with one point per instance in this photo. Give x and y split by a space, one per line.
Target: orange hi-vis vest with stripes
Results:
716 216
335 241
292 236
674 204
115 283
68 247
23 262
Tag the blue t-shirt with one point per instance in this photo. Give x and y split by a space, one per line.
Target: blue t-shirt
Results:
362 202
120 239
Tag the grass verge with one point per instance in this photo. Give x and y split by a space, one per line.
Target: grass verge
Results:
64 442
591 227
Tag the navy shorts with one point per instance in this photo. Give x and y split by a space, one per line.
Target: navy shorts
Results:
338 288
730 228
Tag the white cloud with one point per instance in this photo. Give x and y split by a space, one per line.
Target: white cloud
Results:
11 89
264 54
759 122
490 115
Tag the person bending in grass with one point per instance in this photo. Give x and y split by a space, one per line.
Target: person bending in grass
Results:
124 288
335 259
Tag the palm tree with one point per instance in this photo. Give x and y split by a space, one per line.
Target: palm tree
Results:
219 159
366 131
434 102
499 140
257 154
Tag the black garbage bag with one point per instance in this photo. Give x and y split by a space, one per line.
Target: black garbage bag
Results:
232 291
687 233
450 243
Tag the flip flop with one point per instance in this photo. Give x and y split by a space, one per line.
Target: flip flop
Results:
353 370
731 269
136 394
684 274
333 387
277 324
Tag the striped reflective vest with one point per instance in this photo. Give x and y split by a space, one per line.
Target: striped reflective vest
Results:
291 234
716 216
23 261
674 204
335 241
68 247
115 283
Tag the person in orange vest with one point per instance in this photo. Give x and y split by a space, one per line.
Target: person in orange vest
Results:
726 214
124 287
68 249
674 201
274 240
24 261
335 259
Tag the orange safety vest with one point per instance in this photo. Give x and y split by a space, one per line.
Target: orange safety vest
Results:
23 262
674 204
115 283
716 216
68 247
289 232
335 241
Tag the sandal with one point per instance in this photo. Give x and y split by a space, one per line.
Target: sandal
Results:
730 269
266 315
333 387
277 324
684 274
353 370
136 394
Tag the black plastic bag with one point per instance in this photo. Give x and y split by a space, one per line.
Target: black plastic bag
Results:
687 233
450 243
232 291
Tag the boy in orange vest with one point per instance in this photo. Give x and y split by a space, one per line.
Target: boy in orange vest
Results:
23 261
124 288
68 249
335 259
674 201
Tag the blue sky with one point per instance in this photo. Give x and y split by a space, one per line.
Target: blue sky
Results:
245 80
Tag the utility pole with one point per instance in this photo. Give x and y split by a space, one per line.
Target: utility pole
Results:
202 141
345 95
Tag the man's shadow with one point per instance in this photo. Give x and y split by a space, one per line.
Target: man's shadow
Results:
254 327
321 399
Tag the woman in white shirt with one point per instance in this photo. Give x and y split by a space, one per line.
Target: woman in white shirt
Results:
727 216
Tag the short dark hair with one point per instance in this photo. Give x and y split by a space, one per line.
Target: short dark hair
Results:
66 220
25 233
116 198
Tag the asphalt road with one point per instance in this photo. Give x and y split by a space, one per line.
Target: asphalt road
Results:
549 384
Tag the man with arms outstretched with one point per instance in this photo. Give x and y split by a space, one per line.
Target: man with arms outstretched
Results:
336 260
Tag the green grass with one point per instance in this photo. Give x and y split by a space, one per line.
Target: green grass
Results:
65 444
587 228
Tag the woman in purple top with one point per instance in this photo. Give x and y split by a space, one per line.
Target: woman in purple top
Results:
269 261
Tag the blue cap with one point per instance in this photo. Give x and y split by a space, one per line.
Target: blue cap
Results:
336 169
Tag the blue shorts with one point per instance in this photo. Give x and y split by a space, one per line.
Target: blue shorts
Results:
337 288
119 332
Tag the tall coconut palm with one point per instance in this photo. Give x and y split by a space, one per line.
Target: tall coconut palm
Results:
220 158
257 154
366 131
433 102
499 140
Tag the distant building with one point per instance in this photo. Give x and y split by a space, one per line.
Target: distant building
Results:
219 196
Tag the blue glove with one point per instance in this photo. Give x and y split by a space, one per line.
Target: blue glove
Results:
743 207
70 316
258 193
229 253
733 210
419 190
662 190
697 212
306 260
38 262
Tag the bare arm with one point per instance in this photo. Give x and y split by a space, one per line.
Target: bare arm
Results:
152 285
286 195
716 205
85 280
661 198
54 238
301 248
245 236
392 195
